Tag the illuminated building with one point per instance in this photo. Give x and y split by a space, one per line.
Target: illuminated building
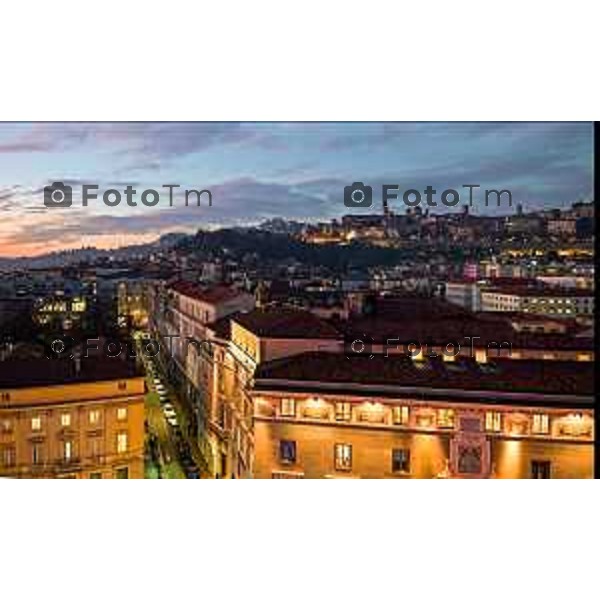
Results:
556 302
60 312
320 414
73 419
562 227
192 325
132 309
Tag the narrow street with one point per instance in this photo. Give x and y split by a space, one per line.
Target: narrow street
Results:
168 455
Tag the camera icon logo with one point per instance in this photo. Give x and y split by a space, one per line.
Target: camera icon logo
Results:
358 195
58 194
358 345
59 347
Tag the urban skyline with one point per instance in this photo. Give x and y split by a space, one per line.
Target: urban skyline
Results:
258 171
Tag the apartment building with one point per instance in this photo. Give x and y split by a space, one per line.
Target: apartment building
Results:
465 293
71 419
192 322
551 301
320 414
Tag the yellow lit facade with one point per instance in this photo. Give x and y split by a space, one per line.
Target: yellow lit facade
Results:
83 430
300 435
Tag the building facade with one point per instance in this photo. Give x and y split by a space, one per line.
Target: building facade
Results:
554 302
310 425
60 423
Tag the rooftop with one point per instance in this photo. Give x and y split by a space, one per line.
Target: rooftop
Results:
432 320
381 374
222 327
210 295
37 372
286 323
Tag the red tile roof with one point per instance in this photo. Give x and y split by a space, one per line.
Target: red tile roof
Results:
286 323
210 295
438 326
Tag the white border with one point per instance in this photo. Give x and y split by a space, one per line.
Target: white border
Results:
299 539
298 61
315 60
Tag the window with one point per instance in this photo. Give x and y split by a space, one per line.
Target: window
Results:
68 450
6 425
9 456
122 413
445 418
122 473
401 460
288 407
540 469
36 454
122 385
65 420
36 423
343 457
493 421
5 396
541 424
94 447
94 417
287 451
343 411
95 475
121 442
400 415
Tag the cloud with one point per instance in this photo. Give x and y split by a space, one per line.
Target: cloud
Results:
151 140
292 170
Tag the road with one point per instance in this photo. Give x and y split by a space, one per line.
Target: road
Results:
167 454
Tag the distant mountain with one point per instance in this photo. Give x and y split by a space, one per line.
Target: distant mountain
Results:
82 255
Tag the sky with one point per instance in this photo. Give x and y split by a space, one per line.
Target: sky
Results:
257 171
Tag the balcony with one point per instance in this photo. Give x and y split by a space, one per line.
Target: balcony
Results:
65 465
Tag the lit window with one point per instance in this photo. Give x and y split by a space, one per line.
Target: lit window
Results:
65 420
400 415
121 442
493 421
94 417
541 424
343 411
540 469
287 451
445 418
343 457
68 450
401 460
36 423
6 425
121 413
288 407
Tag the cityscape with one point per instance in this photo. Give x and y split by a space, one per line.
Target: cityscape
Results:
333 312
